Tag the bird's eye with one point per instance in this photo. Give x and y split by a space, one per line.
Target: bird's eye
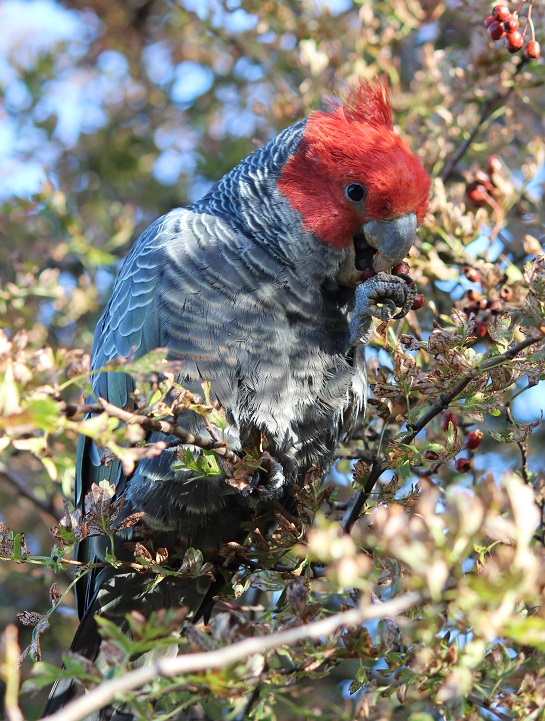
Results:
355 192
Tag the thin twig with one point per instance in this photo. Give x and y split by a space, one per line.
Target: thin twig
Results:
169 429
151 424
79 409
19 483
444 400
354 510
522 445
489 709
488 108
442 403
251 701
191 663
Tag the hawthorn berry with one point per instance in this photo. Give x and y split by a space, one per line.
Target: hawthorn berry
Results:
402 267
476 194
480 329
472 274
447 419
506 293
501 12
474 439
473 295
511 24
496 31
463 465
418 302
489 20
514 41
532 50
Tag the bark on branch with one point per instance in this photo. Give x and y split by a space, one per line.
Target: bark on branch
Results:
190 663
442 403
151 424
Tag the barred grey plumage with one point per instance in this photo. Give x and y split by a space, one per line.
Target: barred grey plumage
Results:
241 291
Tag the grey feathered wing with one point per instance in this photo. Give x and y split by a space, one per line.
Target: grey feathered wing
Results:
164 296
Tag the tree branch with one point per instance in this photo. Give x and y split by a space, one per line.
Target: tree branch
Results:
442 403
151 424
19 483
108 691
488 108
444 400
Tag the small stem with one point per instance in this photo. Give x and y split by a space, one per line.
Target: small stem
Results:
442 403
488 108
19 483
169 429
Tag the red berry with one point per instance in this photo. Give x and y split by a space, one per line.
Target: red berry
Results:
402 267
496 31
511 24
476 194
480 329
501 12
447 419
463 465
514 41
506 293
494 306
472 274
489 20
473 295
367 273
532 50
431 455
474 439
493 165
418 302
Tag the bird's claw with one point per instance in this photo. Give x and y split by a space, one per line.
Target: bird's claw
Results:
379 297
271 487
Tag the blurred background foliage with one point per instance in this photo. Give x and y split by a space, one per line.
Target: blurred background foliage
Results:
114 111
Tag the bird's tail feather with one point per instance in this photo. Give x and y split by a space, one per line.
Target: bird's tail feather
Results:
193 597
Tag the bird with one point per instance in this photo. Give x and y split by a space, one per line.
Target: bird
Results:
265 287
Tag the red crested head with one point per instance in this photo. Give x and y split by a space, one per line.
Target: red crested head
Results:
350 167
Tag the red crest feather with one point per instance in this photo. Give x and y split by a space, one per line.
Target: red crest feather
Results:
366 103
354 142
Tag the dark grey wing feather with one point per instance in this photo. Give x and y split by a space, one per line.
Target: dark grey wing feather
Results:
164 296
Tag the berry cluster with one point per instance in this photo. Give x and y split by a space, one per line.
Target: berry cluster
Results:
505 24
472 441
483 309
482 189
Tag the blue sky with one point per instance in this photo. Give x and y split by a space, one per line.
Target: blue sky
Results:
32 28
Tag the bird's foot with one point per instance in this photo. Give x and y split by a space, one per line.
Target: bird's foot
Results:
380 297
269 487
258 480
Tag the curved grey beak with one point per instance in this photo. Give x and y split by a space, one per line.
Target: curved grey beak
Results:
392 238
